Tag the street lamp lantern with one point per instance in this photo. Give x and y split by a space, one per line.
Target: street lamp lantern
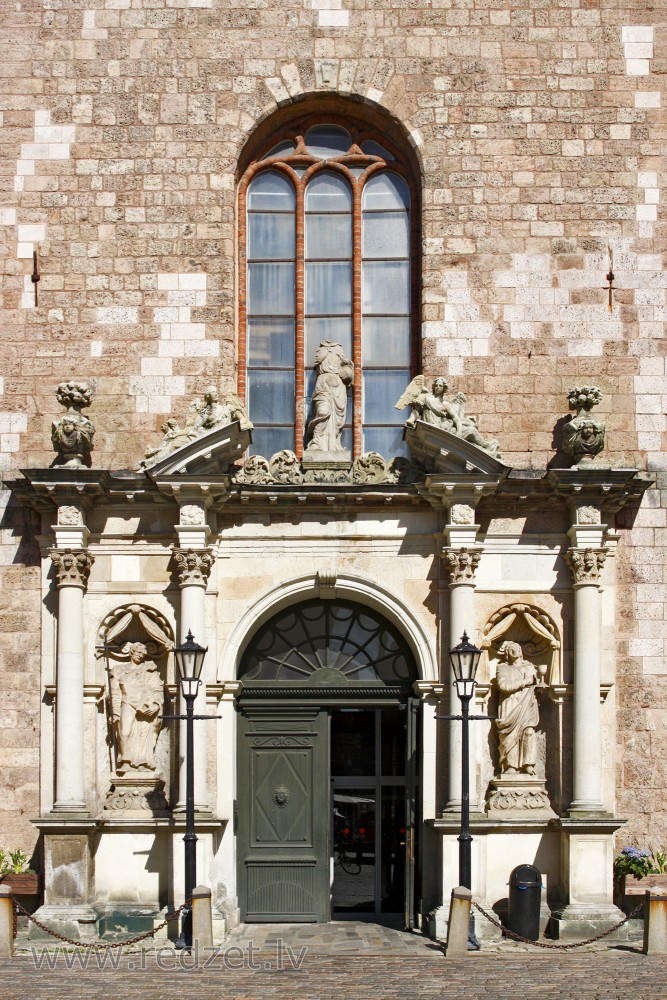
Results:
465 659
189 658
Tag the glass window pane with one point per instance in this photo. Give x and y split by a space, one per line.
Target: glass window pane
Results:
352 743
338 329
387 441
385 340
375 149
328 192
271 289
329 236
386 190
282 149
327 140
329 289
271 191
386 287
267 441
386 234
271 237
271 397
382 389
271 342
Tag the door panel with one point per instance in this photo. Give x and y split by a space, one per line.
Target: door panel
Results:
282 829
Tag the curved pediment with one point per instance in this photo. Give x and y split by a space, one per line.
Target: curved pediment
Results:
440 451
210 454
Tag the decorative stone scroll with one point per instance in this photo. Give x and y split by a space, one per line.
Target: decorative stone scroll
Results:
284 468
583 436
461 564
72 567
432 407
586 564
72 433
194 566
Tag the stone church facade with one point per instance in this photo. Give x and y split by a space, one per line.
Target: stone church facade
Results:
331 329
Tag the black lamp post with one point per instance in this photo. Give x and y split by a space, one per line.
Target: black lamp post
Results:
189 658
465 659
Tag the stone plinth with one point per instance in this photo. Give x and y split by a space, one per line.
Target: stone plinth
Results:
519 796
136 795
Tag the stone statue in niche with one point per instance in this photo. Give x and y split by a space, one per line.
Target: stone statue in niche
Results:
335 374
202 418
518 712
72 433
137 699
432 407
583 436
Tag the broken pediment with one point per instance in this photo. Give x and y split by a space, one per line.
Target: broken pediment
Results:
210 454
443 452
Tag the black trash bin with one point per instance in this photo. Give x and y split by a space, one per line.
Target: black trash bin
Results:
525 896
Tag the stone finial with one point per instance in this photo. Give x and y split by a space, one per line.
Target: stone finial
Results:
194 566
461 564
583 436
432 407
72 567
586 564
72 433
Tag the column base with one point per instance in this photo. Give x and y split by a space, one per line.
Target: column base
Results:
579 921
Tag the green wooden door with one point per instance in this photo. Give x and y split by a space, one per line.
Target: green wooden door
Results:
283 793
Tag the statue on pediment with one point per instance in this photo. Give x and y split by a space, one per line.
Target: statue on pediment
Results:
431 406
137 698
202 418
335 374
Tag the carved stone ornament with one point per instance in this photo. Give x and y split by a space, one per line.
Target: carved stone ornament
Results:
192 513
69 516
202 418
284 468
461 564
194 566
518 796
72 567
129 622
586 564
281 796
462 513
137 794
432 407
72 433
589 515
335 374
583 436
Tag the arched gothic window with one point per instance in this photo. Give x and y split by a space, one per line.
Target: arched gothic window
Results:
328 227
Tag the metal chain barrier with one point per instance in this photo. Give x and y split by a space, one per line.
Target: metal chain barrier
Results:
546 944
97 945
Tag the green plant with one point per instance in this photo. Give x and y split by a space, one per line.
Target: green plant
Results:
659 860
633 861
14 862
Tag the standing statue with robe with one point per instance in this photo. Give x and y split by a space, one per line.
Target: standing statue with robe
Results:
137 697
518 712
335 373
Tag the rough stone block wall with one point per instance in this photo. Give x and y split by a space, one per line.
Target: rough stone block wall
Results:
540 132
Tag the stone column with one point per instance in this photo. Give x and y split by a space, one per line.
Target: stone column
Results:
586 565
72 568
461 564
194 569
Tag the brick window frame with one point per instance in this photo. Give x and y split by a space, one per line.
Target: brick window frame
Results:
310 164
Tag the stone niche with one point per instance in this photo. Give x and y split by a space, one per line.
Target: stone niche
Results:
134 642
522 650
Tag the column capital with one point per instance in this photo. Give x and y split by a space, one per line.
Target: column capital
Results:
194 566
72 567
461 564
586 565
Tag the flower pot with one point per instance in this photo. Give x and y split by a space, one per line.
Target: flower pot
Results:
632 889
23 884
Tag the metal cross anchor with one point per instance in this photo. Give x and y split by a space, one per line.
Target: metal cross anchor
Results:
610 279
35 276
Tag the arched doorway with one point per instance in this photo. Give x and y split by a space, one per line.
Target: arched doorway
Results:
327 761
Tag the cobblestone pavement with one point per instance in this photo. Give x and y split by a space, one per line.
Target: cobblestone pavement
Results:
342 961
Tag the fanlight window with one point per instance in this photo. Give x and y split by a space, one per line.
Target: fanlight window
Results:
329 255
328 642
